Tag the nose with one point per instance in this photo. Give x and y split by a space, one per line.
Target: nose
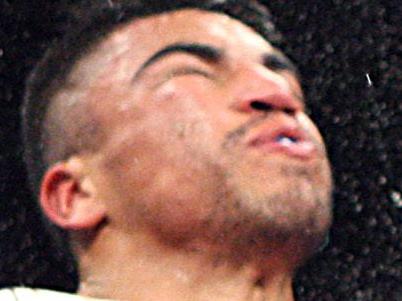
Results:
259 89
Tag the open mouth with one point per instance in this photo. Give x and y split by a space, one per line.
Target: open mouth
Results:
288 141
283 136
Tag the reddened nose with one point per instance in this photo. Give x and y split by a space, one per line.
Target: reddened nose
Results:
259 89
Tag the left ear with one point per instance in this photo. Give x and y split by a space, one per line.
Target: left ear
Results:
68 197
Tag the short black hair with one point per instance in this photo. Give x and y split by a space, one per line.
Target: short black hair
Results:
88 24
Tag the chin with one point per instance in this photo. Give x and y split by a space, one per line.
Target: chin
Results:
288 208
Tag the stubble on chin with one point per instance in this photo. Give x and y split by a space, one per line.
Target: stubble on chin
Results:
293 219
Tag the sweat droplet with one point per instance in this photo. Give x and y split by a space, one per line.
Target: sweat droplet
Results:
110 2
396 198
369 82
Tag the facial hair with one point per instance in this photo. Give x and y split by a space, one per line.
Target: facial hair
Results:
293 219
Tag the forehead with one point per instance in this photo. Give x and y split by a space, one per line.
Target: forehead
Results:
144 36
187 24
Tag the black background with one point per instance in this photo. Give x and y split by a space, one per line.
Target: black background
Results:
335 43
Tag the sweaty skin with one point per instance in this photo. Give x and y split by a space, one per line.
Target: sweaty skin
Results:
189 208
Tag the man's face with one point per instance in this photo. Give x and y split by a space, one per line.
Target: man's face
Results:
206 140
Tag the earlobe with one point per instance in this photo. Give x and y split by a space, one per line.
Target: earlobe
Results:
68 200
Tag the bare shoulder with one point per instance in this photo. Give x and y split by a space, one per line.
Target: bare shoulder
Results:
29 294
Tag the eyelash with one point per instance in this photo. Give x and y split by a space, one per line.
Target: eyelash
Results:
188 70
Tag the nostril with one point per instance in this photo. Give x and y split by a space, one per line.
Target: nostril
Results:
261 106
264 106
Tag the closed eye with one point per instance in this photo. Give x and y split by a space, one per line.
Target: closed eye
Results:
188 71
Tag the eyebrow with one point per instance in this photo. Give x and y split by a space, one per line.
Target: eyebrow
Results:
203 51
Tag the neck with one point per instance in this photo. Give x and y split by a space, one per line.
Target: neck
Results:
145 269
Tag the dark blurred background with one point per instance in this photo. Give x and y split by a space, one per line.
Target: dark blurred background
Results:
350 56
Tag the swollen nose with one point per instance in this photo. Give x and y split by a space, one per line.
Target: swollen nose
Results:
265 91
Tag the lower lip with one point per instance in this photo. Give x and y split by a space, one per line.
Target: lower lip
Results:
301 149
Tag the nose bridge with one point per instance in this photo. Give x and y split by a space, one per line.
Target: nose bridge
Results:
256 78
254 82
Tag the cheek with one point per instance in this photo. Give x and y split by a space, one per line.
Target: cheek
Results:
189 113
177 203
157 166
163 183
